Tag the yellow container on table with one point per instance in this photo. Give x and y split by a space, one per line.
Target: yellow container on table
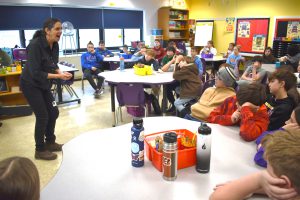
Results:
143 71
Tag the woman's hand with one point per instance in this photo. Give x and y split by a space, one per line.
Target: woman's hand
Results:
236 116
65 76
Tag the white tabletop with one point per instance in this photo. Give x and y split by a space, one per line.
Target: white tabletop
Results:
215 59
64 68
269 67
128 76
250 54
115 59
97 165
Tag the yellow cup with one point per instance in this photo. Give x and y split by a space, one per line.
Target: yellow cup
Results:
8 68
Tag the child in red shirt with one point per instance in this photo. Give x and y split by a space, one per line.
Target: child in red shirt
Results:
247 109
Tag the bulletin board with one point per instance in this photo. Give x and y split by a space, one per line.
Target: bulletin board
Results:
252 34
287 28
204 32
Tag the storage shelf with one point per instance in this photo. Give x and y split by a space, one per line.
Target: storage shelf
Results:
177 38
9 93
10 74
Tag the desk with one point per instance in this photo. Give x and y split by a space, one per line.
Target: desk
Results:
59 83
128 76
97 165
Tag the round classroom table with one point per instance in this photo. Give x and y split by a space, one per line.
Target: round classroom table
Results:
97 165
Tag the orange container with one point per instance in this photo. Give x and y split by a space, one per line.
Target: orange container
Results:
186 156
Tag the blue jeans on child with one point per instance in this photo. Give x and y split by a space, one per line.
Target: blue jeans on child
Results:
189 117
180 102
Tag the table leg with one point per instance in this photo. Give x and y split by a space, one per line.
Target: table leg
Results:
112 100
59 90
164 100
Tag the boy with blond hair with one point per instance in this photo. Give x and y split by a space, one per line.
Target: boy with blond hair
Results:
281 180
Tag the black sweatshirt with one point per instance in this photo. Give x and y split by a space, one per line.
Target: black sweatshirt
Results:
41 60
279 111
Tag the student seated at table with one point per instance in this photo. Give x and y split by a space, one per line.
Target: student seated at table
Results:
139 54
292 57
292 124
90 62
125 53
19 179
168 60
229 50
139 46
254 72
209 49
187 73
159 50
268 57
234 56
247 109
284 99
148 59
281 179
197 60
214 96
173 44
104 51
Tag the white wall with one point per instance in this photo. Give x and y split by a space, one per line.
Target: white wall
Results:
149 7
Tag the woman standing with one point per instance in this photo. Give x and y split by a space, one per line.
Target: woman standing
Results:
41 66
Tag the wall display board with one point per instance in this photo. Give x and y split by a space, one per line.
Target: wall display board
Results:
252 34
204 32
287 29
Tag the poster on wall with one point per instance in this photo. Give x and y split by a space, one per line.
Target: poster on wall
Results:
258 43
244 29
293 30
229 24
252 34
204 32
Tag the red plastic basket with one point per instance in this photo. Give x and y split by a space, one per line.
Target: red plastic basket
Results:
186 156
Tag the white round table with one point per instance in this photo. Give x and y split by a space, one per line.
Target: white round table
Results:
97 165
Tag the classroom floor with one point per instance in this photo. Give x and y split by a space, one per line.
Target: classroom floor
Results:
16 135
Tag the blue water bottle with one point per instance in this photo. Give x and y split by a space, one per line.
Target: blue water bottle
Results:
137 143
122 67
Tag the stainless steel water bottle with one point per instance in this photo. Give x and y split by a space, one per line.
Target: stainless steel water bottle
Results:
137 143
203 148
170 156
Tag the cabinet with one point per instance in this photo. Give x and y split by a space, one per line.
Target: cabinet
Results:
280 47
12 95
174 23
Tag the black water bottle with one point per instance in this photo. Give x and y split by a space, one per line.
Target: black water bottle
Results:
203 148
137 143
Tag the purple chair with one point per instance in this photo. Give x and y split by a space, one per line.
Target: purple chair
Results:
131 95
20 54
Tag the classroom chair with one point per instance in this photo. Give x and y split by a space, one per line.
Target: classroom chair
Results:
130 95
205 75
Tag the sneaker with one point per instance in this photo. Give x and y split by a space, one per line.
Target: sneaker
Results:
45 155
53 146
97 94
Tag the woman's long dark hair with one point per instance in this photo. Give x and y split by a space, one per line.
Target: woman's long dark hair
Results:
49 23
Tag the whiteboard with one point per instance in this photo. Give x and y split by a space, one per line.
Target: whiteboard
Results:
204 32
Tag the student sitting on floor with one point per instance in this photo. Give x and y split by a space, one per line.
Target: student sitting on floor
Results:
281 179
292 124
209 49
253 73
168 60
268 58
104 51
90 62
19 179
247 109
234 57
214 96
159 50
197 60
190 83
284 99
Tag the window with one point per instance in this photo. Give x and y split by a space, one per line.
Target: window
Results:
12 38
86 35
28 36
113 37
68 41
131 35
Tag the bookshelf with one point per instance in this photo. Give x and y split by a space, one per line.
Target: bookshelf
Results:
174 23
